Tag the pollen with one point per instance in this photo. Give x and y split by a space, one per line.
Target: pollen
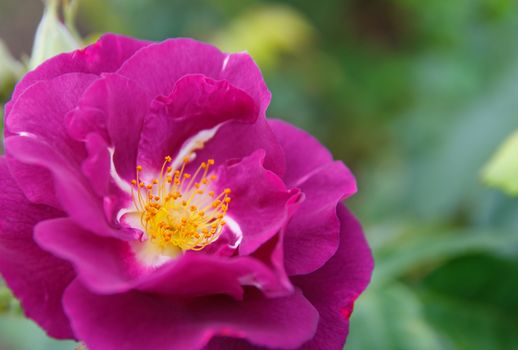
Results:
178 209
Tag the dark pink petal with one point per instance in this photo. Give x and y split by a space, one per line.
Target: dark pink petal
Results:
261 204
104 264
228 343
72 191
36 277
108 265
196 103
42 108
97 165
304 154
158 67
114 107
135 320
310 167
106 55
97 169
334 288
41 191
40 112
195 275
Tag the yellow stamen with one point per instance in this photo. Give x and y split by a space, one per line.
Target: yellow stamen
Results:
180 210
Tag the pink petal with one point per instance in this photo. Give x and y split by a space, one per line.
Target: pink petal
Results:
106 55
304 153
115 108
40 112
334 288
324 183
36 277
262 209
196 103
104 264
159 66
73 193
135 320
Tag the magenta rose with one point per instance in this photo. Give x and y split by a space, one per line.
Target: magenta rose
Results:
147 203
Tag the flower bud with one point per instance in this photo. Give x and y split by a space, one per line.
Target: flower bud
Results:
52 36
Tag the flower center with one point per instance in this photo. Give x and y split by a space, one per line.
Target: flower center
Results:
179 210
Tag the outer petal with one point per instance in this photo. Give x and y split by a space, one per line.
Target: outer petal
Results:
40 112
36 277
334 288
316 224
197 103
324 183
114 107
159 66
106 55
135 321
304 154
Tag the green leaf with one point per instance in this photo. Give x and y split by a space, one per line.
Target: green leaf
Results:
391 318
18 333
9 305
473 301
416 250
502 170
52 36
471 326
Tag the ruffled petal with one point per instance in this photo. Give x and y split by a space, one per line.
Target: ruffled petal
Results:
108 265
37 278
106 55
114 107
74 195
159 66
316 223
250 138
195 275
40 112
96 167
324 184
261 210
135 320
104 264
197 103
334 288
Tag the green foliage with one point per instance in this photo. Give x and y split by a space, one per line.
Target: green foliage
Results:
10 70
391 318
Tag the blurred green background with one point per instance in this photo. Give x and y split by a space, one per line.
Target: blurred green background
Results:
415 96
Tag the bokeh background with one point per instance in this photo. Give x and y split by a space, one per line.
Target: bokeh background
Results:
415 96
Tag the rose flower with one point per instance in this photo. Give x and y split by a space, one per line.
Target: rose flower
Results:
147 203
